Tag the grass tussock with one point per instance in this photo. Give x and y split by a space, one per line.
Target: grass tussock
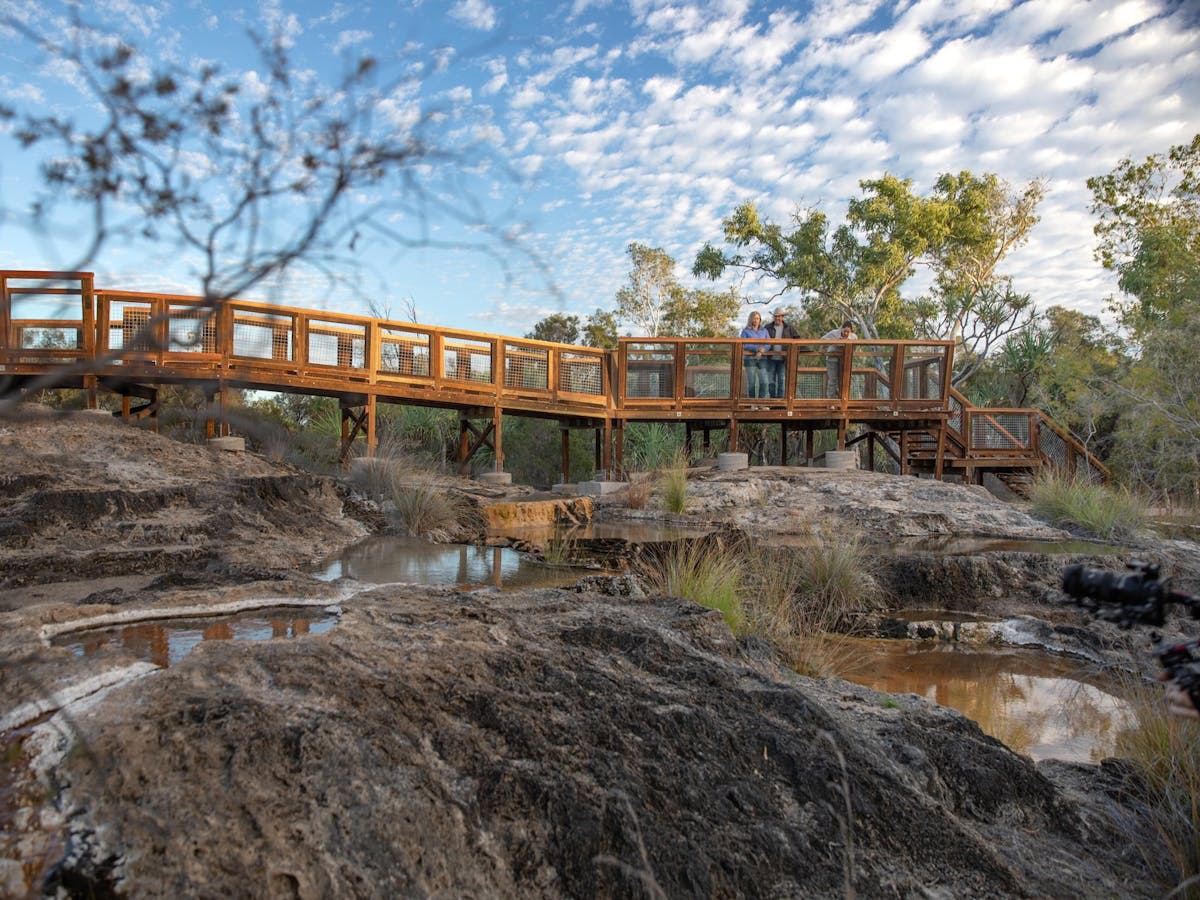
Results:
1108 513
803 601
707 572
1164 750
414 501
675 484
638 493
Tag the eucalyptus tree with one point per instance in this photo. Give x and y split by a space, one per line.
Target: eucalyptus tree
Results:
854 271
656 304
1149 233
962 231
971 301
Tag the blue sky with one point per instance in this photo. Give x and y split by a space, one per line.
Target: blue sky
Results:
611 122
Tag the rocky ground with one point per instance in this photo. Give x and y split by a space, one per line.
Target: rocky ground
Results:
543 743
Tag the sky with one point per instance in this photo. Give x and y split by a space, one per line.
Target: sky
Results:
590 124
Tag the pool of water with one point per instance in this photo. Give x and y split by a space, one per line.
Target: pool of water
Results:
385 559
165 642
1039 704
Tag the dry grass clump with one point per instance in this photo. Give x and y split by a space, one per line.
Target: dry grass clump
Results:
802 600
805 599
1164 750
1108 513
414 501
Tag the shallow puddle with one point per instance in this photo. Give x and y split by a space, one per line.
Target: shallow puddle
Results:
386 559
166 642
1038 704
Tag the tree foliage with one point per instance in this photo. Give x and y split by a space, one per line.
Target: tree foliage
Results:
1149 233
962 230
557 327
656 304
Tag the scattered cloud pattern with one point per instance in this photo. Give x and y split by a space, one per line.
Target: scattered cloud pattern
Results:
650 120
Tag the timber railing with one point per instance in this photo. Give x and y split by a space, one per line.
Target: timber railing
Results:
58 330
166 337
1016 436
862 378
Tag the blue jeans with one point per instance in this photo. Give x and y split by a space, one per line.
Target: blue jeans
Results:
776 376
756 378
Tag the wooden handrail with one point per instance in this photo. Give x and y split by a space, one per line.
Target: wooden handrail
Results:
263 345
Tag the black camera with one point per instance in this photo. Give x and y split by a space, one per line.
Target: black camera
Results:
1133 597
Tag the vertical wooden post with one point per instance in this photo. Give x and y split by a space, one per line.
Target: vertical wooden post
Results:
809 445
783 443
941 451
597 447
619 448
372 440
903 452
497 438
841 430
464 444
566 455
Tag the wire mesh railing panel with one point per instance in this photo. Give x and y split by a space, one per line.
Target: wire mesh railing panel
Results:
581 373
403 352
191 330
707 371
467 360
337 344
924 372
650 371
812 376
1053 448
955 421
129 327
526 367
260 335
999 431
871 377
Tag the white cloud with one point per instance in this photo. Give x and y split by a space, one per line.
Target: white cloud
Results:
351 38
477 14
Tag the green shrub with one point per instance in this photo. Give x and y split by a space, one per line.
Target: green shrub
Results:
1108 513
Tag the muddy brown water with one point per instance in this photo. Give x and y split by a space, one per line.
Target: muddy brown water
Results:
165 642
386 559
1039 704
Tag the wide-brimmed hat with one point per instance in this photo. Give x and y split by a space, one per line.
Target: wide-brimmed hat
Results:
780 311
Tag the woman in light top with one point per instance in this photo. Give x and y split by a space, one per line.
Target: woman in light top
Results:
753 364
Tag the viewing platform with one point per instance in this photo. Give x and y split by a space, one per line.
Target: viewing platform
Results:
58 330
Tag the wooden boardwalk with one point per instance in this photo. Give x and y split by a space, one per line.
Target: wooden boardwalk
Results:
58 330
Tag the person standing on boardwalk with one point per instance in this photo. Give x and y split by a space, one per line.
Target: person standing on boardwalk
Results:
752 357
833 361
776 359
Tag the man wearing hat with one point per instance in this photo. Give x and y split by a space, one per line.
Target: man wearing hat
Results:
776 358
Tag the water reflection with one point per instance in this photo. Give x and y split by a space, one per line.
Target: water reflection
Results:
1038 704
384 559
165 643
631 531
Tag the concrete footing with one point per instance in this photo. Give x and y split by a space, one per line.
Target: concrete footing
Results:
733 462
232 444
841 459
494 477
599 488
